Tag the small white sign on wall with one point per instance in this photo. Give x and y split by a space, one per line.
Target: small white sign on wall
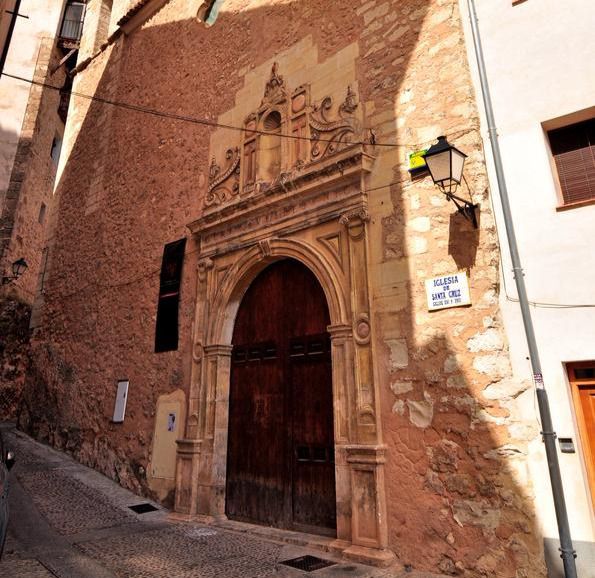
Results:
120 405
446 291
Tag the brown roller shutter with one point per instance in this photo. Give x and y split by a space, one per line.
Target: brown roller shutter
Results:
573 148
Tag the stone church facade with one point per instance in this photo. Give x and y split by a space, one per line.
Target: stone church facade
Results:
276 135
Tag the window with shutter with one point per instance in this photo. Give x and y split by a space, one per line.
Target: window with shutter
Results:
573 148
166 329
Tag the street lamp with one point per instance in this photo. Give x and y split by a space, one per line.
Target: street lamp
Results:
18 268
445 164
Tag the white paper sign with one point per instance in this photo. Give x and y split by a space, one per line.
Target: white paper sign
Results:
450 290
120 406
171 421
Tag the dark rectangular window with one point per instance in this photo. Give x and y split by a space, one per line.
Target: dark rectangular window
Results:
56 149
573 148
166 330
72 24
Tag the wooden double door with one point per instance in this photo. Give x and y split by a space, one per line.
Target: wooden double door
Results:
280 465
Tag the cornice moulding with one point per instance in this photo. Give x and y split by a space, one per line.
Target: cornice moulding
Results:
139 14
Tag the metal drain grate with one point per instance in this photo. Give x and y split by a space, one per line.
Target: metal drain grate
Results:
143 508
308 563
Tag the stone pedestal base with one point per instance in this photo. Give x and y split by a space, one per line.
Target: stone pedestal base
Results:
371 556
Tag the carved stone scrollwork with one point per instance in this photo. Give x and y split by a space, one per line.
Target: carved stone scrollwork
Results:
197 352
354 221
349 104
203 266
265 247
224 185
274 92
331 135
362 329
367 415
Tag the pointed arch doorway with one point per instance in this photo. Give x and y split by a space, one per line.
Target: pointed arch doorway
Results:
280 459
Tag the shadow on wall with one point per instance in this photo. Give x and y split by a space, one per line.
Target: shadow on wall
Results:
14 313
454 503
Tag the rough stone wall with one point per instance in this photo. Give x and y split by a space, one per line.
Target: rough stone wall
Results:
458 500
14 354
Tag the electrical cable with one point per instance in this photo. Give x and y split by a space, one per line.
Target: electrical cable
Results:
210 123
536 304
213 124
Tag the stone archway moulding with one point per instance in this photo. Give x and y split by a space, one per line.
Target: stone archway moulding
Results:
317 215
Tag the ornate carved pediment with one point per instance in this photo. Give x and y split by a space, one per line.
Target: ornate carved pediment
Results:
286 140
295 161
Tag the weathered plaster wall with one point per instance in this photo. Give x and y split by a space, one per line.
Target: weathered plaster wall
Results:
458 497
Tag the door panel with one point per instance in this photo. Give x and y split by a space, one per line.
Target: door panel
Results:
587 401
582 379
280 452
313 442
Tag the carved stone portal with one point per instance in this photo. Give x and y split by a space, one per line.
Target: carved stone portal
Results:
276 198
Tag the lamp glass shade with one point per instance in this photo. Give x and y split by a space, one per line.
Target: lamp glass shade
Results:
457 161
19 267
439 166
445 164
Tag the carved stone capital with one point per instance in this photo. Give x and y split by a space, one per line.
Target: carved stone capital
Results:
340 332
356 217
366 454
218 350
189 447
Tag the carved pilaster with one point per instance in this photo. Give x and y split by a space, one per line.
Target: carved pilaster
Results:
189 449
187 465
366 430
195 421
212 471
369 527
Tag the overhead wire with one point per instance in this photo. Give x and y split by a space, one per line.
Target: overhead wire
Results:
215 124
208 122
535 304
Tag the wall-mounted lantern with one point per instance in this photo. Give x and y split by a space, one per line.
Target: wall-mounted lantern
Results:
445 164
18 268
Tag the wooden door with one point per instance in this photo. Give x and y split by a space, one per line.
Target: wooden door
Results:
582 379
280 465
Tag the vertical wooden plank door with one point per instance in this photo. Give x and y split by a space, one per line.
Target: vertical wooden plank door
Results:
280 464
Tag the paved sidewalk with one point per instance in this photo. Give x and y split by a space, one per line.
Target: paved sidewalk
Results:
68 521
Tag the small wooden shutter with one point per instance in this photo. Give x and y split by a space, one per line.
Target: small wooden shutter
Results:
573 148
166 330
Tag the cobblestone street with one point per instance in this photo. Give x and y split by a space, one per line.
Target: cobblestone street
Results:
69 521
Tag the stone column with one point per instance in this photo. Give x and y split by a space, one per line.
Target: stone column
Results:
189 448
213 457
364 454
343 385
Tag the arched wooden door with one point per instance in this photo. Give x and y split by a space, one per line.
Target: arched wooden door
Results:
280 464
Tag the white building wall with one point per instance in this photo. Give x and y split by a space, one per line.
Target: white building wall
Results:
540 60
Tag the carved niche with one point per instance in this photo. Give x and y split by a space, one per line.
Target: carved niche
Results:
287 139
